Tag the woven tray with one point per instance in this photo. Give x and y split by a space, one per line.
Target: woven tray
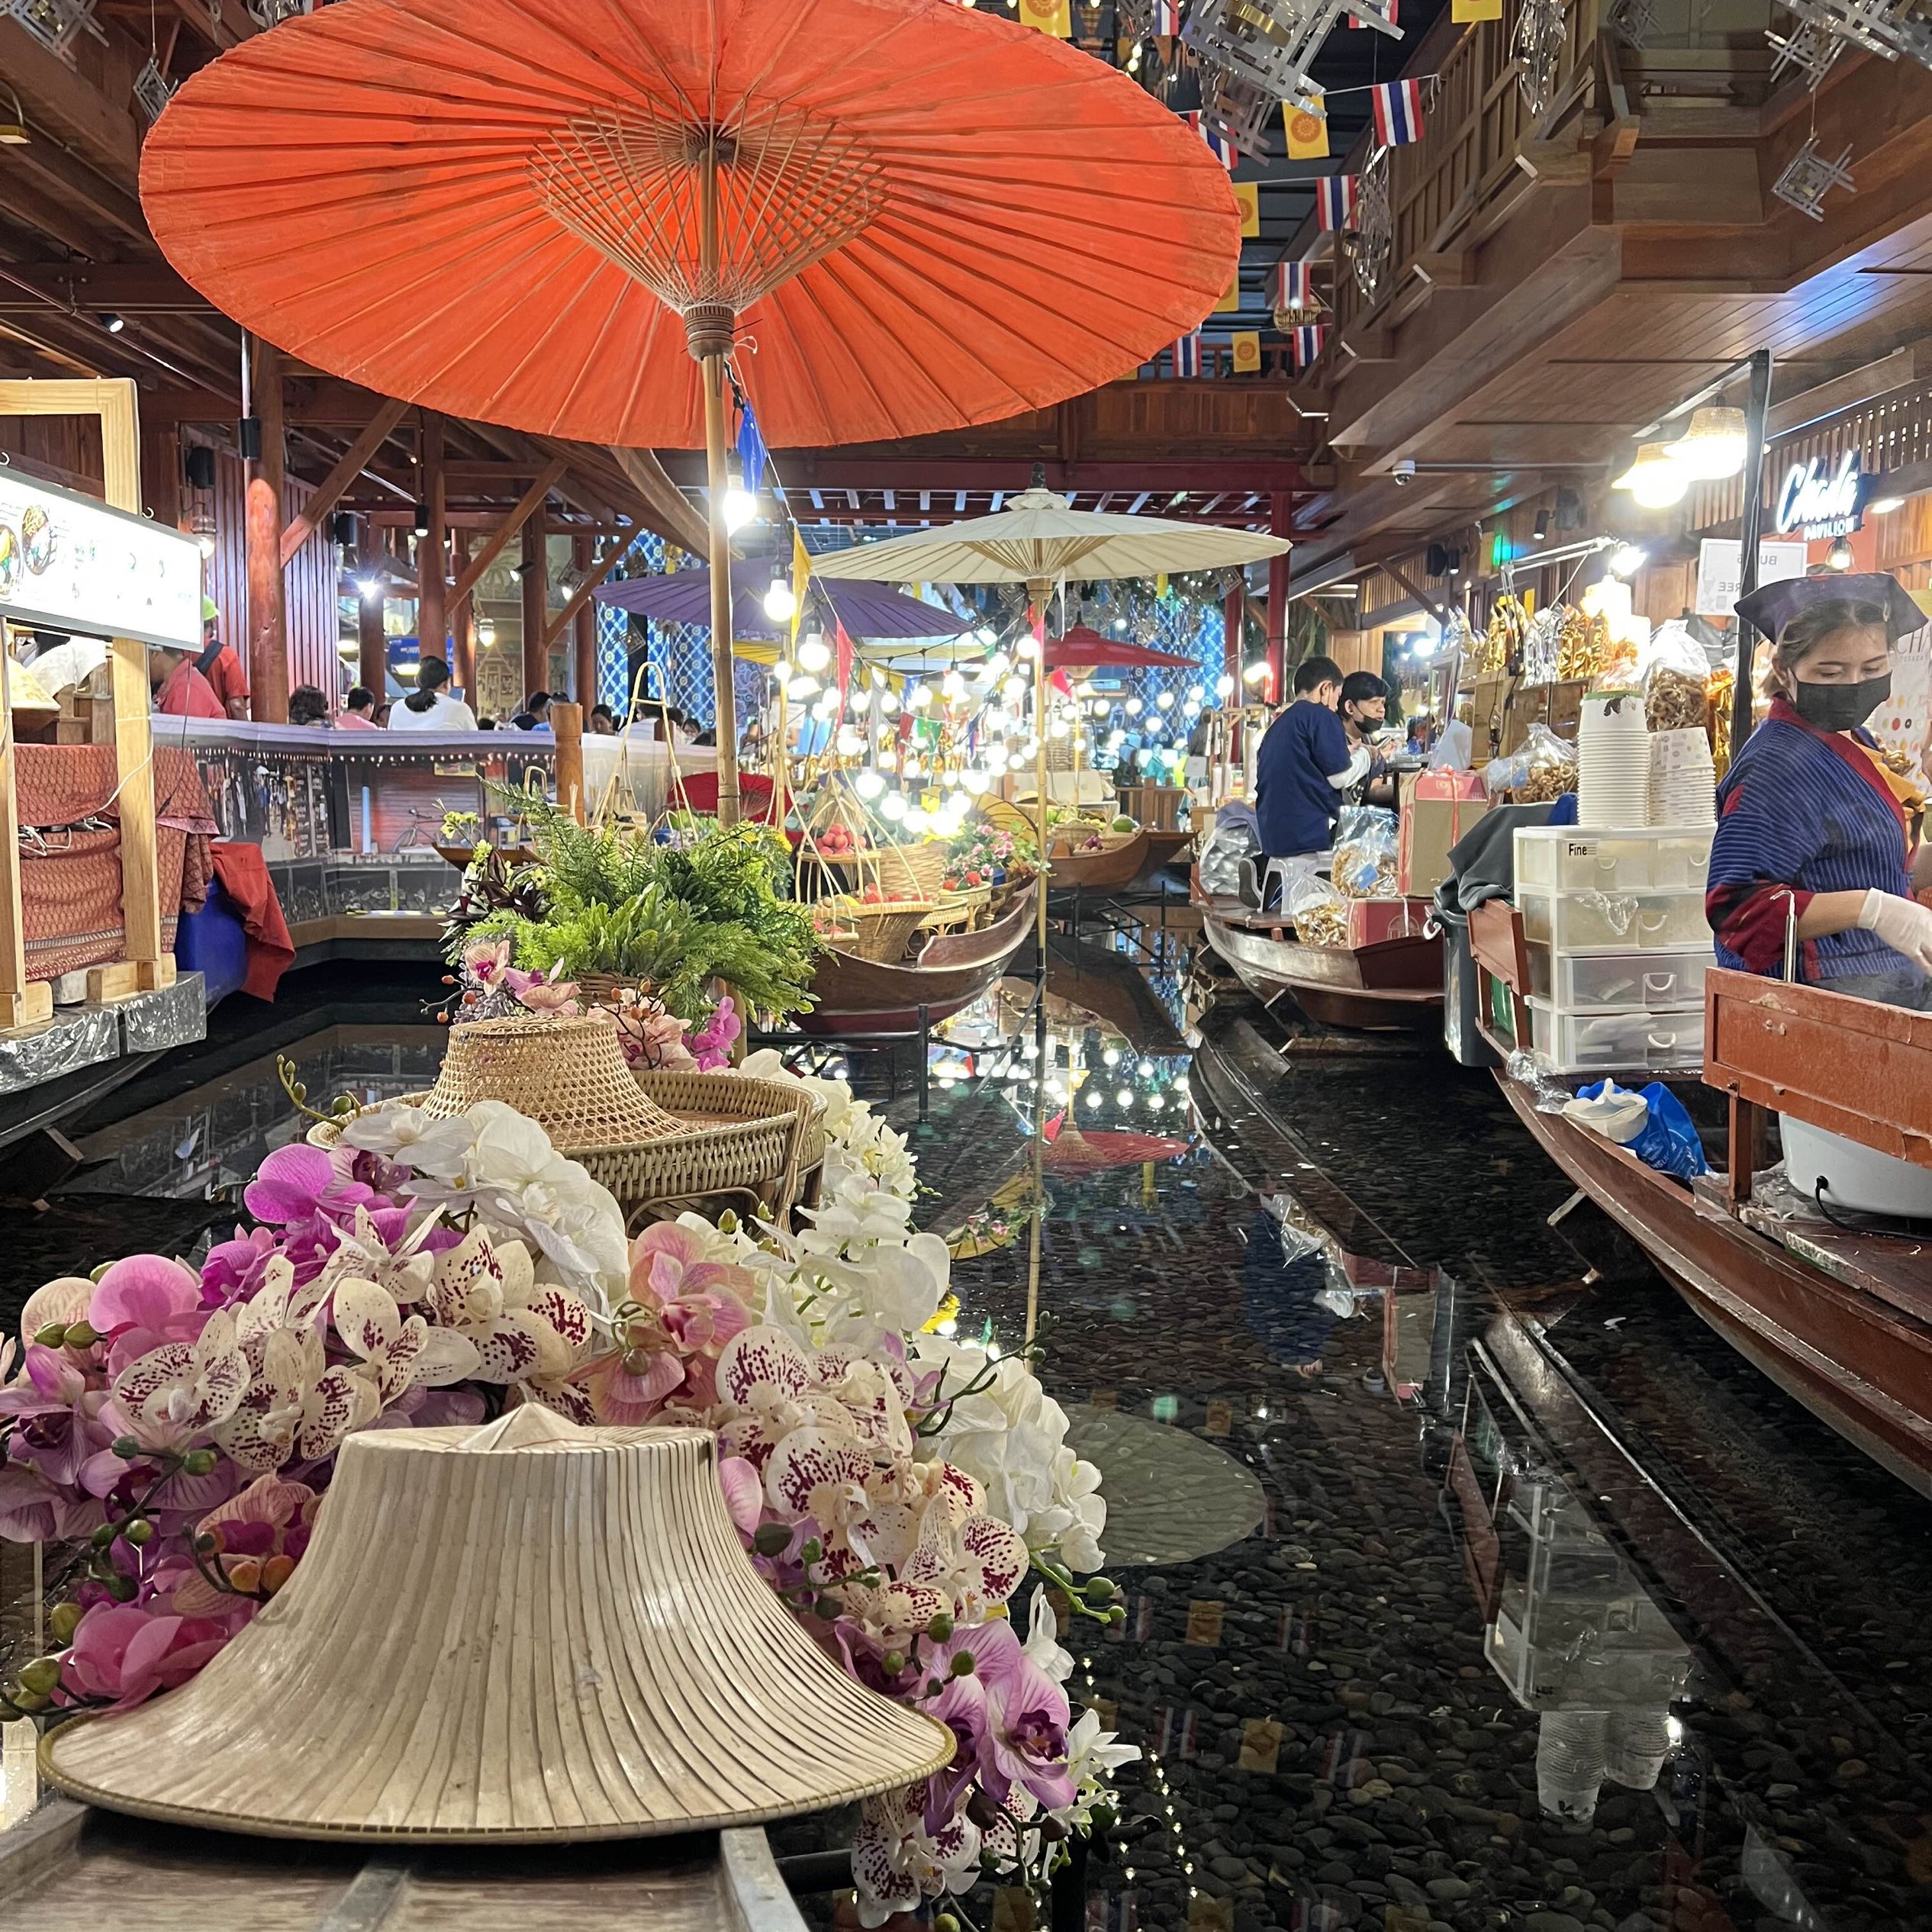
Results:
745 1143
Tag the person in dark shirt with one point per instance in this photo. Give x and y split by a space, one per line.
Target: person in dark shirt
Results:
535 713
1305 766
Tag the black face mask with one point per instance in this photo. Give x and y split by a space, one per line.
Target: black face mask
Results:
1839 707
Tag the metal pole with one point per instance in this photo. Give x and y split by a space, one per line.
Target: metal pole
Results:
713 367
1755 410
1038 590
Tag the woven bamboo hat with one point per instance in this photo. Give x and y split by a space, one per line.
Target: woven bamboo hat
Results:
569 1076
528 1632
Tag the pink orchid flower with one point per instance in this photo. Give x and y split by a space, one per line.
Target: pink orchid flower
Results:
123 1654
485 961
712 1045
142 1303
1011 1721
56 1415
297 1182
549 993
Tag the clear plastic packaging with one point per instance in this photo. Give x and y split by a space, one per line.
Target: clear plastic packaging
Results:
1675 674
1231 841
1551 769
1319 912
1365 863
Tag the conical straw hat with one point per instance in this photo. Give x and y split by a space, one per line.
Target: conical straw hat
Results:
527 1632
569 1076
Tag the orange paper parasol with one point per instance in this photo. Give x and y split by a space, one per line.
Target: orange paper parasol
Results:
894 216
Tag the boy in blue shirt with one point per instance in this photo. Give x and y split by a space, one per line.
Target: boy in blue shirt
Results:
1305 766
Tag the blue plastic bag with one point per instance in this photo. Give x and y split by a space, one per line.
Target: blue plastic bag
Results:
1661 1135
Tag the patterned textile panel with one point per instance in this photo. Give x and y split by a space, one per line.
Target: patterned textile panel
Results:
70 881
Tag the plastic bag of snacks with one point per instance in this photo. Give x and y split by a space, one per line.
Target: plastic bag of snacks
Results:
1319 912
1365 861
1232 840
1676 679
1550 767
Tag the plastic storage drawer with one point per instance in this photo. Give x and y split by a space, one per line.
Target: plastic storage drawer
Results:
1614 922
1608 1042
1563 858
1588 982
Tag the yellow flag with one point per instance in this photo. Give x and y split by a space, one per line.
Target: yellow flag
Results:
1248 198
1230 301
1308 133
1247 351
1466 11
801 575
1056 16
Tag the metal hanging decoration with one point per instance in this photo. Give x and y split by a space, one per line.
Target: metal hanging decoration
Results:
272 13
1242 113
152 91
1632 22
1809 178
1369 243
57 25
1539 48
1887 28
1270 45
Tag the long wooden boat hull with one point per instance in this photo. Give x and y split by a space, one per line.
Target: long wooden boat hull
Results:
1862 1364
1163 848
1103 870
1394 986
867 996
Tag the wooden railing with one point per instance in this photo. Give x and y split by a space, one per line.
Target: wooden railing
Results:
1472 137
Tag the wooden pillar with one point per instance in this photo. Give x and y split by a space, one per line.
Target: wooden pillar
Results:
1279 512
371 644
432 623
536 606
462 624
567 720
584 685
268 614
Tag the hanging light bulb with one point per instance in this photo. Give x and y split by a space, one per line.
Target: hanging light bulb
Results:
849 742
975 782
892 807
801 688
814 653
1195 695
869 783
1223 686
888 704
1166 700
1255 673
996 759
1028 647
1135 707
781 603
740 506
999 664
919 696
952 687
1057 730
781 671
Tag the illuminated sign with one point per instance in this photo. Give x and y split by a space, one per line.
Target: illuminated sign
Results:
1820 502
70 563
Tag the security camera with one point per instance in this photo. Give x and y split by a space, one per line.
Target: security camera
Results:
1404 470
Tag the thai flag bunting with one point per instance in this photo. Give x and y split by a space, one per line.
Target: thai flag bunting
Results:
1187 355
1386 9
1335 201
1291 288
1308 342
1166 16
1218 144
1398 112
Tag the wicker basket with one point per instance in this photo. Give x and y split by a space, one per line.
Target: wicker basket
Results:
878 932
756 1145
602 989
964 911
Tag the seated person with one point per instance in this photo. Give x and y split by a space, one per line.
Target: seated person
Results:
1305 766
1807 824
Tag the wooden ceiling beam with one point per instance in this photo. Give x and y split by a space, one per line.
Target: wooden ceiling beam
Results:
57 97
491 547
329 491
125 288
669 511
103 203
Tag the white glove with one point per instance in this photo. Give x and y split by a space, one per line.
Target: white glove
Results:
1355 771
1903 924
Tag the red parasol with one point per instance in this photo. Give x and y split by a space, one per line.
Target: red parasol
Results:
1084 647
551 213
1071 1151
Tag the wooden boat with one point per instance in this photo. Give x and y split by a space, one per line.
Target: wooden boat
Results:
59 1864
1163 848
1395 984
868 996
1104 870
1841 1320
1852 1340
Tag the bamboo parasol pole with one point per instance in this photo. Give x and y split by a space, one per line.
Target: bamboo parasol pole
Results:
713 364
1038 590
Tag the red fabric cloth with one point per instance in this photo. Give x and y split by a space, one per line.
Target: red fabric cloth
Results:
698 792
185 693
70 881
243 876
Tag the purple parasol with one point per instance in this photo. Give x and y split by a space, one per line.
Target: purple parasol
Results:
867 610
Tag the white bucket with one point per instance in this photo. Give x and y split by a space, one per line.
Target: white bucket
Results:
1854 1177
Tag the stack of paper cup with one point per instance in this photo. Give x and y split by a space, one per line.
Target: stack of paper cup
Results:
1683 781
1613 751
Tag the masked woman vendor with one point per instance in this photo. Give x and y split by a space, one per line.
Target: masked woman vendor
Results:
1805 816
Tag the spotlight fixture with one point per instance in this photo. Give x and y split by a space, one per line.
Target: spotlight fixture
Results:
420 522
1541 533
1454 567
371 588
1840 556
1884 506
343 528
1435 560
248 436
113 324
